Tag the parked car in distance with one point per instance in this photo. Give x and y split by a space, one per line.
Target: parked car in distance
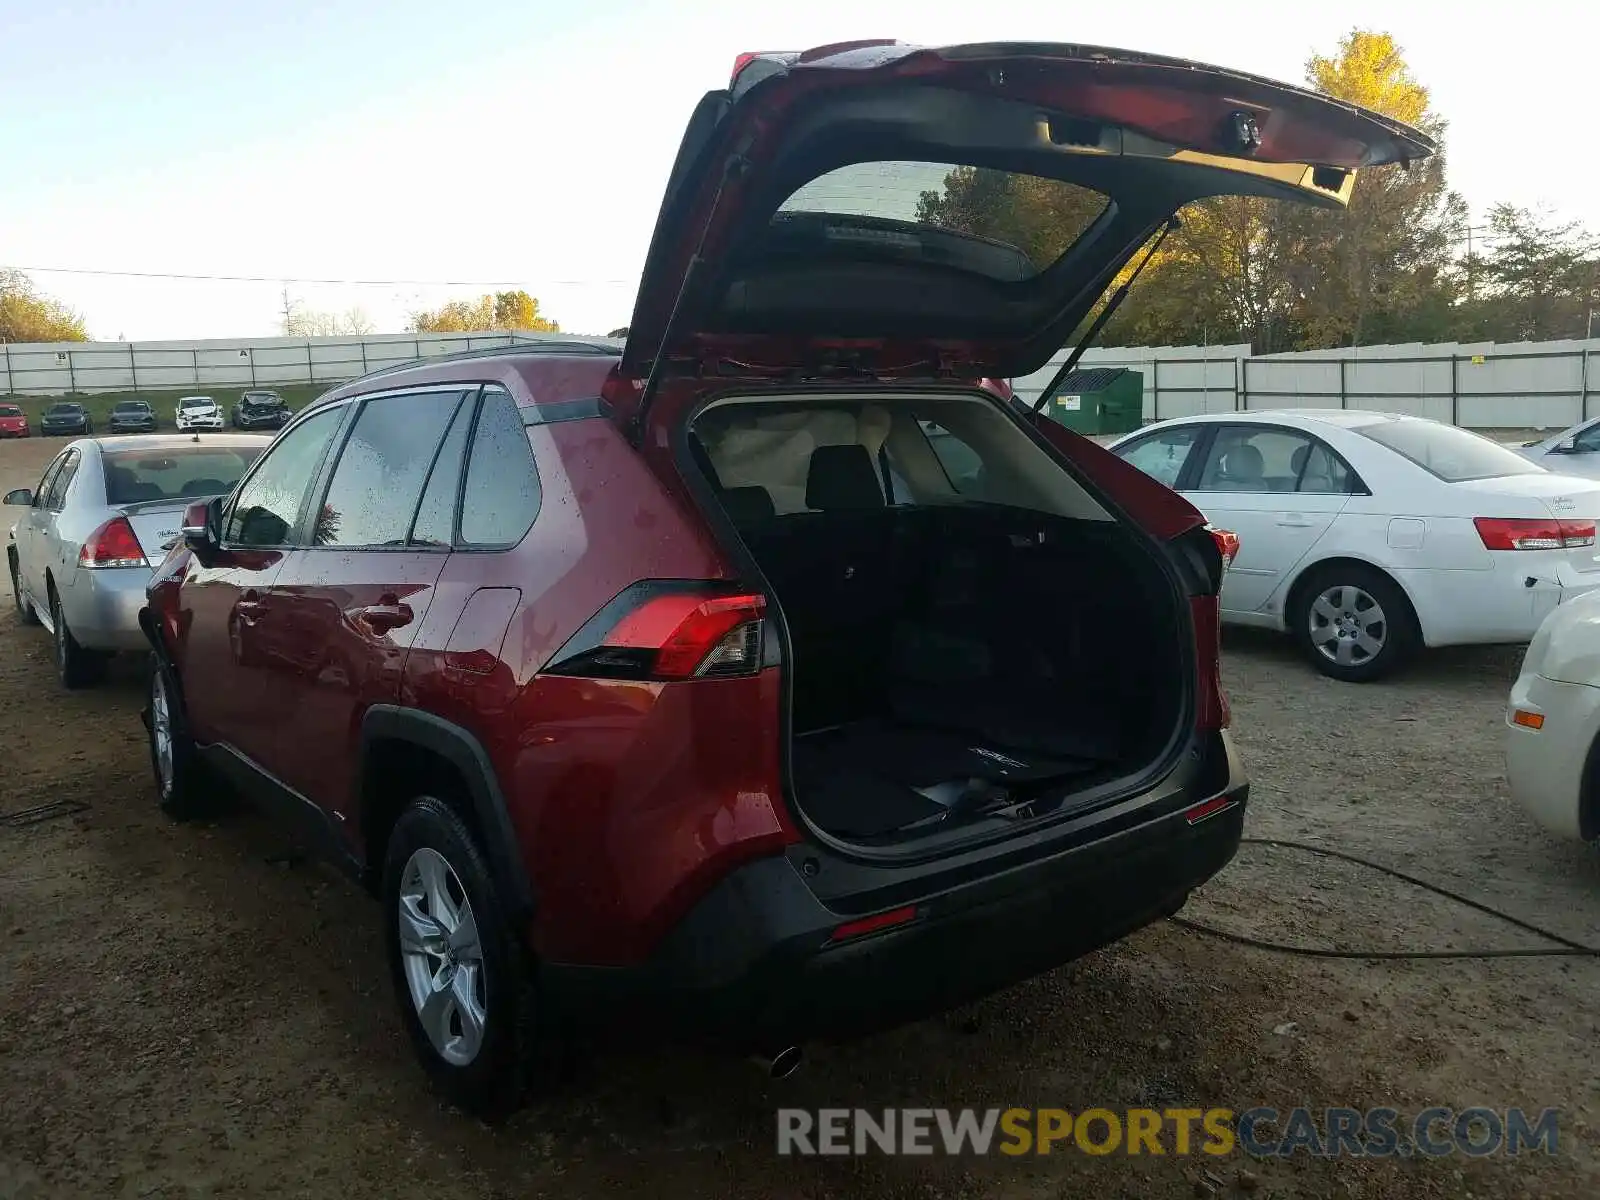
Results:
66 417
1553 723
13 421
86 537
197 412
1573 451
260 410
1367 535
696 702
132 416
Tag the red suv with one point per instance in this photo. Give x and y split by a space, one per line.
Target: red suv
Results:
777 677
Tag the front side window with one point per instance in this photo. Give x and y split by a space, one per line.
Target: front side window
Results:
1245 458
268 505
383 465
1162 456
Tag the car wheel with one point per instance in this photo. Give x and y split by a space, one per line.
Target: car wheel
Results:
1353 622
75 666
25 612
172 752
463 979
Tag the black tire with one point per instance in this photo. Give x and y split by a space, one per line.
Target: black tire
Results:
495 1081
75 666
180 789
25 613
1337 635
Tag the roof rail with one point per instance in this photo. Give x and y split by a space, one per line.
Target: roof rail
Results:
541 346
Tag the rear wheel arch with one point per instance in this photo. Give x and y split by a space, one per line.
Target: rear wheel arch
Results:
1295 592
406 752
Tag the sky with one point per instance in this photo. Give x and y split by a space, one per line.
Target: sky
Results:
526 144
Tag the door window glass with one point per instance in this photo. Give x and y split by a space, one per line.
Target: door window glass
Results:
1243 458
1162 455
268 504
382 467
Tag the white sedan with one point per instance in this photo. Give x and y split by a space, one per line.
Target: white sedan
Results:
1366 535
1553 723
197 412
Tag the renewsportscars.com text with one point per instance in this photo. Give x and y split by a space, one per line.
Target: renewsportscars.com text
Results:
1259 1132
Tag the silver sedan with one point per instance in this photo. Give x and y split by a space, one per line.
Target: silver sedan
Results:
87 538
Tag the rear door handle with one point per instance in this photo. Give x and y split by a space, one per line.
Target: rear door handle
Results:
382 617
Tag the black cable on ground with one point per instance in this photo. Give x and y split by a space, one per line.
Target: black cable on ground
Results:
1564 947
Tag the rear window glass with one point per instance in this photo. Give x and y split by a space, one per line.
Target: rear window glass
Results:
1448 452
179 474
881 206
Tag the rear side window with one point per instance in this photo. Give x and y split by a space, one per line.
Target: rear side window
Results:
502 495
63 480
382 468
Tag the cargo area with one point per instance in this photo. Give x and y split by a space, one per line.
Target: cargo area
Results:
971 635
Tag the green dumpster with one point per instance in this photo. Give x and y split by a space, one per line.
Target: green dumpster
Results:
1099 400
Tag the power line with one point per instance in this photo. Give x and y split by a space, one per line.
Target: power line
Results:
280 279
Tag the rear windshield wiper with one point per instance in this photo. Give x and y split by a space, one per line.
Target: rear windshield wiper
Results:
1106 313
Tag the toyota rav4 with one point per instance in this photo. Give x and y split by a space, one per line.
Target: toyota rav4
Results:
775 678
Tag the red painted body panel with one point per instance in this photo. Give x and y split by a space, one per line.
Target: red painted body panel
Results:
628 801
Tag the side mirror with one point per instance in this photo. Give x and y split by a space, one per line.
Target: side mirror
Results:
201 524
22 496
1565 446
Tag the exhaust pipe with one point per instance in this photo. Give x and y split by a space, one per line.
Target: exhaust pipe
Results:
780 1065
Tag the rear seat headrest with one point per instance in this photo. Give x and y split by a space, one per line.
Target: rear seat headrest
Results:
748 505
842 477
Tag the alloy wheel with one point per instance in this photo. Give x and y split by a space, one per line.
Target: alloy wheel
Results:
161 732
442 956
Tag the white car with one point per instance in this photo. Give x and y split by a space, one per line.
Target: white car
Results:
1553 723
1366 535
198 412
1574 451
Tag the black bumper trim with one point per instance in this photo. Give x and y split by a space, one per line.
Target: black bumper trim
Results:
751 967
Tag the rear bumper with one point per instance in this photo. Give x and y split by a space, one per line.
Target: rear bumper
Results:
752 967
1505 605
102 607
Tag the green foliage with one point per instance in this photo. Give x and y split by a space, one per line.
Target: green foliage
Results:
26 316
502 312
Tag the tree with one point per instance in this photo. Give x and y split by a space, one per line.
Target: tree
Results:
504 311
1542 276
27 316
304 322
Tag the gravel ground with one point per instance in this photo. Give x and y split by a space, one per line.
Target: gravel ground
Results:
182 1015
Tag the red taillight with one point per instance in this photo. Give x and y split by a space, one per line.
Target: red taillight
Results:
670 633
1533 533
1227 543
740 63
872 924
1211 709
114 544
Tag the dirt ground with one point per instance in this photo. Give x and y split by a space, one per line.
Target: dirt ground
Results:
183 1015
